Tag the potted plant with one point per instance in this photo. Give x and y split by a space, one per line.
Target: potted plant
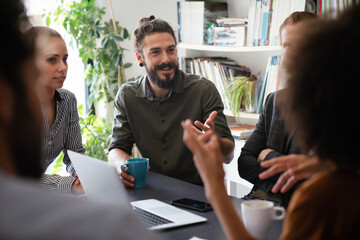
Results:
240 91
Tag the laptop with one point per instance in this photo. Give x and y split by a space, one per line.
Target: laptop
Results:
101 182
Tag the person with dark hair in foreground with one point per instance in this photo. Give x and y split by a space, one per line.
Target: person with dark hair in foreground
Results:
148 111
326 206
26 211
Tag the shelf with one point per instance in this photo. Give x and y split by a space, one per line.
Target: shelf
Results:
245 115
189 46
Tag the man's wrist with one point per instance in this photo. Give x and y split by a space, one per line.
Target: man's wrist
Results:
227 149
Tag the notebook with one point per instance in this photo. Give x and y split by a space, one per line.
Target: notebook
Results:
101 182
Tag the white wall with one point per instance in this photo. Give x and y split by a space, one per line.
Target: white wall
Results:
128 13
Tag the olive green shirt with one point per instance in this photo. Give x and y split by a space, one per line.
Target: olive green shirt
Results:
154 124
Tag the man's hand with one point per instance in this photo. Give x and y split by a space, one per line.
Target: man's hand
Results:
128 180
77 187
209 123
295 167
117 157
208 131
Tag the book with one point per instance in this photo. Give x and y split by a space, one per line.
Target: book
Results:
262 91
272 80
242 131
250 23
266 16
232 22
196 22
274 26
257 20
265 21
190 21
229 36
271 85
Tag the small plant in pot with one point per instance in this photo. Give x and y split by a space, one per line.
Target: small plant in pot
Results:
240 91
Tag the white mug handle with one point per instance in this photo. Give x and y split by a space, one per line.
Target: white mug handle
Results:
276 216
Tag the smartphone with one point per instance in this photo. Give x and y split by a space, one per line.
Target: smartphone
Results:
192 204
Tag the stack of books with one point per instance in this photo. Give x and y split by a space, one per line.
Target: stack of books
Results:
229 36
242 131
230 32
232 22
265 18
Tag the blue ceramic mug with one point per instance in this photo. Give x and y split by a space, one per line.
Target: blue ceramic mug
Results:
138 168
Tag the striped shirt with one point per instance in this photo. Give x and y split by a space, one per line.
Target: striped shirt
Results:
63 135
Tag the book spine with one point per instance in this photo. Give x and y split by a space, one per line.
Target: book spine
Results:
262 92
267 38
251 23
265 21
257 22
179 21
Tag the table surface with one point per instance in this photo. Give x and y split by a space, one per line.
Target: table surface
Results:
165 189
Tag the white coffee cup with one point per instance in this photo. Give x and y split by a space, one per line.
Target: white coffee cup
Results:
257 216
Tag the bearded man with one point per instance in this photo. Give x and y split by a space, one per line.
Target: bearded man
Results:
149 111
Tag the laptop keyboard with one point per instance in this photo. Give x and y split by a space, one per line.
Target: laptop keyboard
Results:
149 219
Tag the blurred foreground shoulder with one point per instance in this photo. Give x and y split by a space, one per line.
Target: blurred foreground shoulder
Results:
30 213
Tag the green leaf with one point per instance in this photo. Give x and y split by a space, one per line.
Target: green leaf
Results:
113 44
48 21
117 38
127 65
126 34
104 42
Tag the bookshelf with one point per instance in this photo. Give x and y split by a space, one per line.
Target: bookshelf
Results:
251 116
256 58
253 57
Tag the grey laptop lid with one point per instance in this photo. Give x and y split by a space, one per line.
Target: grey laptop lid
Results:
99 179
102 183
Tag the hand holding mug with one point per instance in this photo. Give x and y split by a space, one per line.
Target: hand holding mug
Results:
135 171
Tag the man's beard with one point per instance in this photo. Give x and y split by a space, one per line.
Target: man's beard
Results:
166 83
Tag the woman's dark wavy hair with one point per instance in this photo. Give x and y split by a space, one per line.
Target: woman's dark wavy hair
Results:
150 25
16 51
323 86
